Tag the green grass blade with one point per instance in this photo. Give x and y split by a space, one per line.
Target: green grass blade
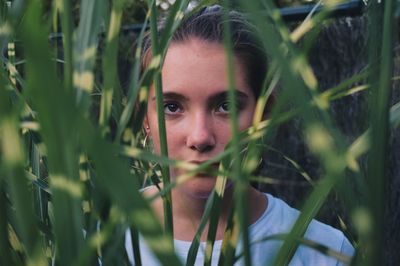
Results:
309 243
134 86
47 95
64 8
12 165
159 48
231 237
173 21
216 205
6 250
377 169
122 188
110 74
136 246
240 182
156 58
85 48
309 211
298 76
124 191
194 247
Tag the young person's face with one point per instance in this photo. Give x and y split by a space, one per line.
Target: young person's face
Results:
195 91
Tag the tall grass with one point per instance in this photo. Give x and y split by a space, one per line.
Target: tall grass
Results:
69 184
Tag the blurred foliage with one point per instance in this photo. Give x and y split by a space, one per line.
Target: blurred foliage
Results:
71 152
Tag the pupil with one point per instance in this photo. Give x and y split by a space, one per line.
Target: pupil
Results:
225 106
172 107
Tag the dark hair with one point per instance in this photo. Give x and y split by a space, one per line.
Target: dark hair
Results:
207 24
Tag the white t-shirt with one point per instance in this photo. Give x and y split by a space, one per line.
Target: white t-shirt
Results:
278 218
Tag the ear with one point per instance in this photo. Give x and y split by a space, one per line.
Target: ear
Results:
146 125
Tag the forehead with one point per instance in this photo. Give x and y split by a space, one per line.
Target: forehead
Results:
196 65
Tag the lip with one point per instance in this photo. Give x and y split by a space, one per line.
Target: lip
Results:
216 164
211 166
197 162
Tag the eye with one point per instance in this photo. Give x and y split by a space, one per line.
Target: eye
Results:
172 108
223 107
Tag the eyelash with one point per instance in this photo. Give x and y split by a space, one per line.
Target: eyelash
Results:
170 104
177 108
222 105
238 104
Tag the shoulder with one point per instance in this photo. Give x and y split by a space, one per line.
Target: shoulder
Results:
280 218
151 193
284 216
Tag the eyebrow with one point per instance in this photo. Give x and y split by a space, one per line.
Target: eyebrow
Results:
172 95
218 96
225 95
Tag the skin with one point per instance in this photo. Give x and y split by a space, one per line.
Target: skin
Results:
195 85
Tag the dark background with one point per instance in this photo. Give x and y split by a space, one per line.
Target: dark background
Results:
339 52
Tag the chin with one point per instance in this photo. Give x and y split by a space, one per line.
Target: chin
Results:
198 187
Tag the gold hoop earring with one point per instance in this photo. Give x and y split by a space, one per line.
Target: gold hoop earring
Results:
146 137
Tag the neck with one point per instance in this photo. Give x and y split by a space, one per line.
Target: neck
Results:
192 208
188 211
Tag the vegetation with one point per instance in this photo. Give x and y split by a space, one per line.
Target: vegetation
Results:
71 143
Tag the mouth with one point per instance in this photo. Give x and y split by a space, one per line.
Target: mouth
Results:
213 165
202 161
208 170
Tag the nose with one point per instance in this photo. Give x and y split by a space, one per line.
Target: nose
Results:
201 135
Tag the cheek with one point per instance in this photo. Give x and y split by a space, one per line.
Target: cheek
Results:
153 133
246 119
223 133
175 138
156 142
